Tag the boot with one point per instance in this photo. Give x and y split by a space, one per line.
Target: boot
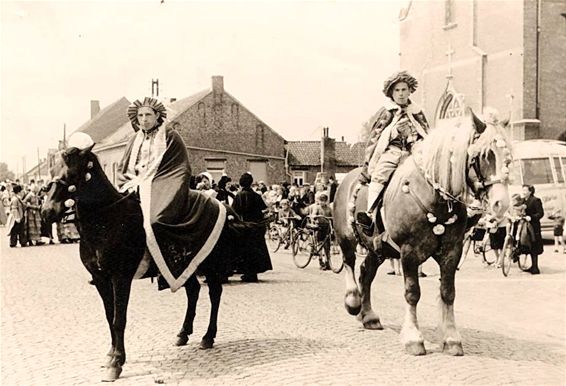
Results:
534 267
366 219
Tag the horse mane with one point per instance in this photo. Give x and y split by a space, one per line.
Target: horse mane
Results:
444 153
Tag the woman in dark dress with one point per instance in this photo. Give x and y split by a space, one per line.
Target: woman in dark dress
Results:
250 206
534 212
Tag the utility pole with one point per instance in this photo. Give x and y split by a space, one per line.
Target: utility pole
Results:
155 87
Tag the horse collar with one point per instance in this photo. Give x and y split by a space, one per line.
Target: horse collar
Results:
438 229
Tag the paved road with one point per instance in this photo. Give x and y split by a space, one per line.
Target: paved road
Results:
290 329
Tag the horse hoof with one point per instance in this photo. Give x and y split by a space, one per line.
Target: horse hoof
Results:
415 348
112 374
353 303
372 324
206 344
182 340
453 348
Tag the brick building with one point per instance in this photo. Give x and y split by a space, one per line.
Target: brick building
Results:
306 159
505 54
223 136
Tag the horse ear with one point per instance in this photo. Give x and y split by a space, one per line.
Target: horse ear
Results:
87 149
478 123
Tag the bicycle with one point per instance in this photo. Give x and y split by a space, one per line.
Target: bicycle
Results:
512 249
279 234
475 238
309 243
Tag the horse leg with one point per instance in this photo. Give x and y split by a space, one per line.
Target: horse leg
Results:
104 287
451 339
368 269
410 335
192 288
214 292
352 298
122 286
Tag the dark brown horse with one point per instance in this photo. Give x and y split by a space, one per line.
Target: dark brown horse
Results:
113 244
424 215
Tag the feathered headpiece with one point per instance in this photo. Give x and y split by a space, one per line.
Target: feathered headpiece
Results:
147 102
401 76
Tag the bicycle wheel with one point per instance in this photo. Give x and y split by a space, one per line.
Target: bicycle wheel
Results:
477 247
508 253
335 260
302 250
524 261
488 254
273 238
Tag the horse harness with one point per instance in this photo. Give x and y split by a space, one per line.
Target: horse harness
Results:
72 189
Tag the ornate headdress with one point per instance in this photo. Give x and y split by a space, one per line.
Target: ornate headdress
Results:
147 102
401 76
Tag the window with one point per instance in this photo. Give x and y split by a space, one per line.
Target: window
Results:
536 171
448 12
258 170
299 178
216 167
515 173
559 172
259 136
452 106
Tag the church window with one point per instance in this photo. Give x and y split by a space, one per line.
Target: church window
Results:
451 105
448 12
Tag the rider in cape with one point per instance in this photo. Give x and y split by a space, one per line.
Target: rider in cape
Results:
399 125
181 226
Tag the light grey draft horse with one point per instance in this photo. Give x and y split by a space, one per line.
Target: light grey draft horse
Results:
424 215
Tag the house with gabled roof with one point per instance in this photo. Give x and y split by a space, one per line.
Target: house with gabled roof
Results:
306 159
223 136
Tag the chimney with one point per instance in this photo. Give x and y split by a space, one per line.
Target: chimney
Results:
94 108
327 153
217 85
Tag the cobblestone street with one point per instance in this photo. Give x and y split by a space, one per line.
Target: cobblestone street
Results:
291 328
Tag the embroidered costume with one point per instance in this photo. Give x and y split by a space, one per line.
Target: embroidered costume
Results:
182 226
392 136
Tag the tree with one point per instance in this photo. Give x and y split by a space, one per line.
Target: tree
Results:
5 174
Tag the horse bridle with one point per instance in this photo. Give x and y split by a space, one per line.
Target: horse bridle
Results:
72 190
480 186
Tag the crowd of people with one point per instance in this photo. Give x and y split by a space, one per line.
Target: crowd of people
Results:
157 156
22 219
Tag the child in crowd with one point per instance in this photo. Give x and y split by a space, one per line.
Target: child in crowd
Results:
287 216
558 230
320 214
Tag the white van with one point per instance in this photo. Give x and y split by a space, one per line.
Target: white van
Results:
541 163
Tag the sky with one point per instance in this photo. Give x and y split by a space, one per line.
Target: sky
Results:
298 66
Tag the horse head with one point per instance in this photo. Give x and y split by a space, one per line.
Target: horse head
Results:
489 156
73 168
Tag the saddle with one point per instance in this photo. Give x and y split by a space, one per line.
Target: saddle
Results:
369 235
